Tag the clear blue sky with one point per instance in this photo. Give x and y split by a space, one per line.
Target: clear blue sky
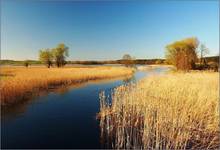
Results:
98 30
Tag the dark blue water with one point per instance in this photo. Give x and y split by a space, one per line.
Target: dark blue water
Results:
59 119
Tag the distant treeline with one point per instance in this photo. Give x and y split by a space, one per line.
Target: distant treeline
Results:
121 61
212 59
19 62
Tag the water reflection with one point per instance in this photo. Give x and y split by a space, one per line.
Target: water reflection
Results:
62 118
115 135
14 111
129 80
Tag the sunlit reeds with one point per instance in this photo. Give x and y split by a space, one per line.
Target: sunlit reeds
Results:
17 83
172 111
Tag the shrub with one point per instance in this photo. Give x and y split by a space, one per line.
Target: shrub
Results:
182 53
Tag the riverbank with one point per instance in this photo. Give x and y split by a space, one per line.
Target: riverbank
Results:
18 83
171 111
151 67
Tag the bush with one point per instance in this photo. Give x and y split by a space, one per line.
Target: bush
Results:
213 66
159 61
210 66
182 53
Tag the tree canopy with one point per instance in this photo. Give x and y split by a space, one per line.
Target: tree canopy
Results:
127 60
127 57
46 57
182 53
60 53
57 54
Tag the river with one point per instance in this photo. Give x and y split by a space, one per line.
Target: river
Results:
60 119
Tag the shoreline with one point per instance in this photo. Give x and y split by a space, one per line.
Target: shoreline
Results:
151 67
177 102
11 88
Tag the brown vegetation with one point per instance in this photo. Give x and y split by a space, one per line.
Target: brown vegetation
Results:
18 82
182 54
172 111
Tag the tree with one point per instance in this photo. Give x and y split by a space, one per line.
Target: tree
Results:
159 61
127 59
203 51
26 63
60 53
46 57
182 53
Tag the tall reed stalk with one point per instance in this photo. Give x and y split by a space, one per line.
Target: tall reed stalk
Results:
173 111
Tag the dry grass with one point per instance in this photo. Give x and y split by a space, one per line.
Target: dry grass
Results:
18 82
172 111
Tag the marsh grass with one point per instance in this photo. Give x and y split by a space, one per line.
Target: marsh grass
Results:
21 83
172 111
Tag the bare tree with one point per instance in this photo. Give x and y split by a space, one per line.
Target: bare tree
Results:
127 59
203 51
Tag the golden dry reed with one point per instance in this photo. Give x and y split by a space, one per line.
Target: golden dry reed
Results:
19 82
171 111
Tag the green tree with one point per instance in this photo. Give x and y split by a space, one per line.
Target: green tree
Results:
183 53
60 53
46 57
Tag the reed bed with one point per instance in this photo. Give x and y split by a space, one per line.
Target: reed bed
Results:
18 83
170 111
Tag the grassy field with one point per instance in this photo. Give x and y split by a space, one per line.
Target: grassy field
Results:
17 83
171 111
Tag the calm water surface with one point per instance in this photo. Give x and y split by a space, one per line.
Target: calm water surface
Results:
64 119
